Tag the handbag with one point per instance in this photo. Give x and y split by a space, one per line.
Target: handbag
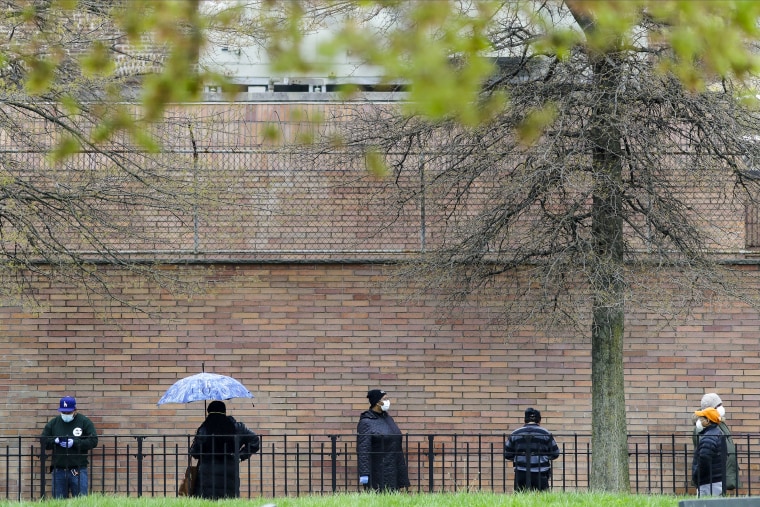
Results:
187 486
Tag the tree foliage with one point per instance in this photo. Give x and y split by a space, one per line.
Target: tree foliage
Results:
441 49
419 42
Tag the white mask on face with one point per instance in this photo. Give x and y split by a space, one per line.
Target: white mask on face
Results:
67 417
699 426
385 405
722 411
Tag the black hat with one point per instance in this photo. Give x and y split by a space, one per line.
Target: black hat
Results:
532 415
374 396
217 407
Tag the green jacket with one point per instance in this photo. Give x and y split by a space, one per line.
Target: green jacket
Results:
80 430
732 467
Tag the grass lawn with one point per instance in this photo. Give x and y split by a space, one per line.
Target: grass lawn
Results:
377 500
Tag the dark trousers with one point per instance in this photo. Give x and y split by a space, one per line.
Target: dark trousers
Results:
531 481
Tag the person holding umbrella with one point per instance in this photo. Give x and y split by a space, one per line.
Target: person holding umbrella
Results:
220 444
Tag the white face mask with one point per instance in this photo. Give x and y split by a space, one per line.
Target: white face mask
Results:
385 405
722 411
699 426
67 417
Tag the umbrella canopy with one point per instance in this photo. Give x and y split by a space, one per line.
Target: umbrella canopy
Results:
204 386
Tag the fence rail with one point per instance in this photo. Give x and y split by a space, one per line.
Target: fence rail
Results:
296 465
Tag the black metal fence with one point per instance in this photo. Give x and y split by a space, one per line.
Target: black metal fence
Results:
295 465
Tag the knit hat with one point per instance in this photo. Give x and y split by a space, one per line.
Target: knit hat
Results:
710 400
217 407
374 396
710 413
532 415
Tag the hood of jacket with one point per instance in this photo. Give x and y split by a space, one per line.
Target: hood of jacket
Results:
371 414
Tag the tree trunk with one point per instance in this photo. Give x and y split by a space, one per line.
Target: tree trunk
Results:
609 443
609 470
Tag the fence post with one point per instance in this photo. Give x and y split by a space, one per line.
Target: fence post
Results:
334 461
749 467
431 460
43 476
139 464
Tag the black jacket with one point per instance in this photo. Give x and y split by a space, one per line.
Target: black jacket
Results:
709 464
380 452
220 444
531 447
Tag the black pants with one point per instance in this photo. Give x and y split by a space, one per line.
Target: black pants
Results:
531 481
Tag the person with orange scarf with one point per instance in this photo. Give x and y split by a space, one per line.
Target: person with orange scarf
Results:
708 469
732 480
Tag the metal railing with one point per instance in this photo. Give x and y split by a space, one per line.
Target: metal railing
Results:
296 465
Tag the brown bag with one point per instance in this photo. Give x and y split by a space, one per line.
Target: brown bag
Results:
187 486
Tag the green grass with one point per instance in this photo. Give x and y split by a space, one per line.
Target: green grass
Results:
378 500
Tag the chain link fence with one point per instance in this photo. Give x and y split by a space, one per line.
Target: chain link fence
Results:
245 182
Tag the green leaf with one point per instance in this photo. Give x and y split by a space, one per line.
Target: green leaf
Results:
40 75
97 62
375 163
532 127
65 148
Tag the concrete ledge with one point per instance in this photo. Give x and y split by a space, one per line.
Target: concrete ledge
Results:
738 501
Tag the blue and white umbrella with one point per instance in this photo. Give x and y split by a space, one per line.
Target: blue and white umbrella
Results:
204 386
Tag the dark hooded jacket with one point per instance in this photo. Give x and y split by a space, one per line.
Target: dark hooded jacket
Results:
709 464
380 451
220 444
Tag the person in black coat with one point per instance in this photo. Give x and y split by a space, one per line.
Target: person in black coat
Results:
531 449
220 444
708 469
379 447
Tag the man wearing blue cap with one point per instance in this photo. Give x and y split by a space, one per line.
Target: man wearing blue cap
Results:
70 435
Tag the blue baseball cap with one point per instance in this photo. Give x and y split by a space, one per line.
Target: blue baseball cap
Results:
68 404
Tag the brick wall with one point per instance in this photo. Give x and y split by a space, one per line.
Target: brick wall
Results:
309 340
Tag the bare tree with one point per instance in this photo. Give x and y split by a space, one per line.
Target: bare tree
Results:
77 191
628 178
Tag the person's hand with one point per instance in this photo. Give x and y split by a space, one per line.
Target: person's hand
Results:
64 442
363 479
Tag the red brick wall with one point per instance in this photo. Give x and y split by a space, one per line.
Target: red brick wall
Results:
309 340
